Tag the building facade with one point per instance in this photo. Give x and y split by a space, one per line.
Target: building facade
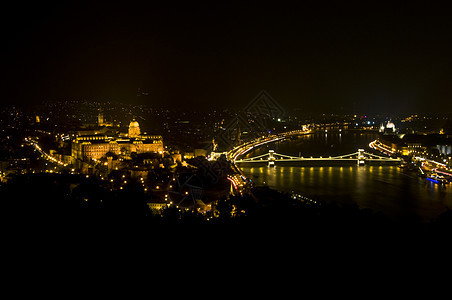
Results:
94 147
134 129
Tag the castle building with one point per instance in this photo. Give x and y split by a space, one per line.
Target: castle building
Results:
96 146
134 129
102 121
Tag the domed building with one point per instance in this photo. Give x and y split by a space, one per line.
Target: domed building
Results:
389 128
134 129
96 146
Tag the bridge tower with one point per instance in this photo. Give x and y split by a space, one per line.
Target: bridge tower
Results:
361 157
271 158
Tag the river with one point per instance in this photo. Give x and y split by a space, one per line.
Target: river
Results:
398 193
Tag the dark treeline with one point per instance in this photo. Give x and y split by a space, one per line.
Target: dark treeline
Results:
45 198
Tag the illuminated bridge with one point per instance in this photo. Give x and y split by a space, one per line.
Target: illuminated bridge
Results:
360 157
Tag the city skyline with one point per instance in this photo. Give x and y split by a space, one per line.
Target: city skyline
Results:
340 58
90 159
332 116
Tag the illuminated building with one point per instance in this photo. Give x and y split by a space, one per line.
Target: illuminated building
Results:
102 122
389 128
444 149
100 119
156 205
404 144
134 129
96 146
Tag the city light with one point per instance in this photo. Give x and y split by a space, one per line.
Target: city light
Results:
339 118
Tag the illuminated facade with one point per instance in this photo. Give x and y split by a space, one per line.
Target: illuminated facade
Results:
94 147
100 119
134 129
389 128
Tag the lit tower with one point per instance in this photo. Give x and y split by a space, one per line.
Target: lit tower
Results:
271 158
134 129
361 157
100 118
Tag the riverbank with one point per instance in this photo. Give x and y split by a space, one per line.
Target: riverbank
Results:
396 192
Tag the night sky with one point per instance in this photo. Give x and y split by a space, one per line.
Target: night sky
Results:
326 57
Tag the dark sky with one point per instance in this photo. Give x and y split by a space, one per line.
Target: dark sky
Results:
341 57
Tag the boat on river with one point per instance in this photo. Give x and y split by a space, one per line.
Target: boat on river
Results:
436 178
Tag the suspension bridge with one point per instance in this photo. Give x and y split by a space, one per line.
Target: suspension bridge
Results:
360 157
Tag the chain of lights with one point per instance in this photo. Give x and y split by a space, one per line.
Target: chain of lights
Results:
47 156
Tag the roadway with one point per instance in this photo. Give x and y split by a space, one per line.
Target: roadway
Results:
239 179
427 165
44 154
242 149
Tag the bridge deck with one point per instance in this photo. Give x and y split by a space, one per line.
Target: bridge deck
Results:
318 159
357 156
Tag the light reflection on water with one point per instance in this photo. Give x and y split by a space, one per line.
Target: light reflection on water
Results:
396 192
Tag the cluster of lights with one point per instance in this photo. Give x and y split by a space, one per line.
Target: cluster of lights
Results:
47 156
169 202
246 147
236 181
431 161
380 147
303 198
410 118
142 183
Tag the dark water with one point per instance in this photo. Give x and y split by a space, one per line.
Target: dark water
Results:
396 192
